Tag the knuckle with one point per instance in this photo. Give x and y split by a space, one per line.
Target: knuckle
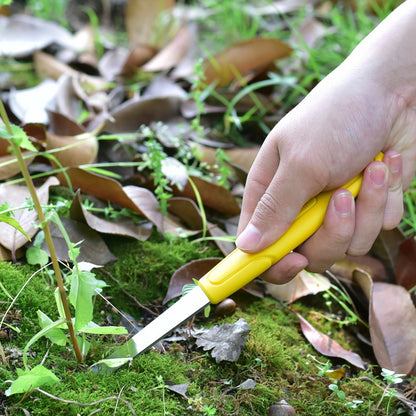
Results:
268 209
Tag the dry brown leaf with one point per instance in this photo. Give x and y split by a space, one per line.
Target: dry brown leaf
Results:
186 275
92 247
406 264
30 105
23 34
123 226
61 125
16 196
213 196
112 63
138 199
129 116
171 54
9 165
392 321
386 248
393 327
242 58
49 67
137 57
327 346
240 157
345 268
141 16
303 284
79 150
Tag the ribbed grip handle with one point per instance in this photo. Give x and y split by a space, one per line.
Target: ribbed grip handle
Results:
240 268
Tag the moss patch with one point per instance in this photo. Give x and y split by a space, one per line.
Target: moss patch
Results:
276 356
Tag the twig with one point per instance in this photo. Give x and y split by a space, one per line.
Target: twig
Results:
129 294
118 399
51 396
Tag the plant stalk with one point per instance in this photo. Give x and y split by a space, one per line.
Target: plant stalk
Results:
48 238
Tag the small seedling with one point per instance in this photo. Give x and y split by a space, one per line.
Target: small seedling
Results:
209 410
339 393
391 378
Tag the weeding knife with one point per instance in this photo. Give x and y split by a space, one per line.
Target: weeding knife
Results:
228 276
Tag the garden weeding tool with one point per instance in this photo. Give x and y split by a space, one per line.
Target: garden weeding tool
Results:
228 276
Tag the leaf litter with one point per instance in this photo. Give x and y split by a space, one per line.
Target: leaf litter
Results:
76 109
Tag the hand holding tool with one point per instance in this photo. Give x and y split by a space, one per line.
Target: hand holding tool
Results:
231 274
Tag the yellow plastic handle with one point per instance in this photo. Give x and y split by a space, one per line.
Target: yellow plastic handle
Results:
240 268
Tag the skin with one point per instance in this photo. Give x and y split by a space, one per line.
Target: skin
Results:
367 105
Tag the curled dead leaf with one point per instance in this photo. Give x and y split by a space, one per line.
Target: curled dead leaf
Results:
392 322
303 284
9 165
242 58
16 196
122 227
76 150
140 20
327 346
138 199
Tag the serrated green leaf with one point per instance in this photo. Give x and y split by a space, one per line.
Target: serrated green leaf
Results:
31 379
14 223
56 335
83 287
18 136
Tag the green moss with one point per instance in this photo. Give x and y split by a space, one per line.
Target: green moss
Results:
276 356
144 268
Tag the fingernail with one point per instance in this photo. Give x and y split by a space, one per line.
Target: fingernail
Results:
378 175
249 238
395 163
343 203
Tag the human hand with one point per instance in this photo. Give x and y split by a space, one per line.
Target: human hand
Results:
332 135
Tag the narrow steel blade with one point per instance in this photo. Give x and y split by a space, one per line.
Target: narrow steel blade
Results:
183 309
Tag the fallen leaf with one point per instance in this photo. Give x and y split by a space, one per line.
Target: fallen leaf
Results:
180 389
16 196
137 57
49 67
226 341
303 284
22 34
186 275
171 54
62 125
386 248
9 165
212 195
162 86
112 62
124 227
92 247
393 327
242 58
141 16
129 116
345 268
30 105
138 199
76 150
406 264
327 346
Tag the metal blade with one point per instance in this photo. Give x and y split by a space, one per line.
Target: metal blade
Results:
183 309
